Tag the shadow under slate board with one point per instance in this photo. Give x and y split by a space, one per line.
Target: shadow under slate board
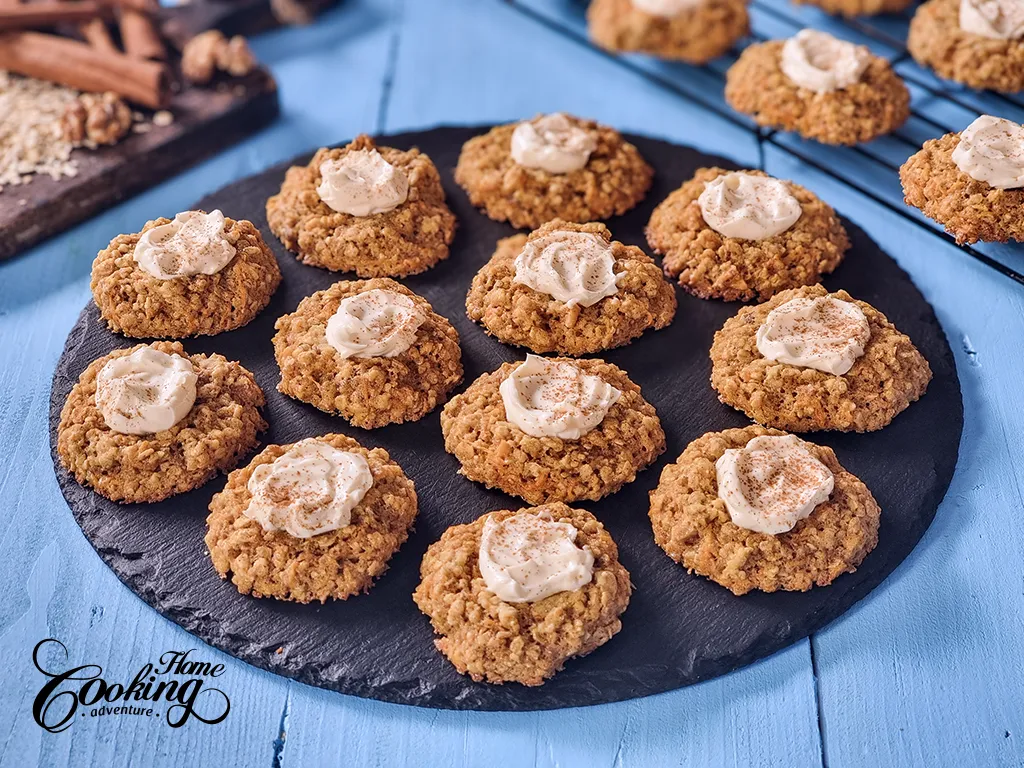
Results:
678 629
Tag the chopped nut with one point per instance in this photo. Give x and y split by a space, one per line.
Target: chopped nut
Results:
96 118
210 51
199 57
235 58
162 118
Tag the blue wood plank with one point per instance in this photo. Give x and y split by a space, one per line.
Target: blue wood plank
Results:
762 716
927 671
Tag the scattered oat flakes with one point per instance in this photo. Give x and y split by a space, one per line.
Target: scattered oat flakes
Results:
30 137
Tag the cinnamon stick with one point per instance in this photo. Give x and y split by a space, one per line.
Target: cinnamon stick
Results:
139 36
79 65
47 14
98 36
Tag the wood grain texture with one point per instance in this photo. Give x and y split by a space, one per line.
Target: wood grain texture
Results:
926 672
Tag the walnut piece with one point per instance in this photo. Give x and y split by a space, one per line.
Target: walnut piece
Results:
210 51
99 118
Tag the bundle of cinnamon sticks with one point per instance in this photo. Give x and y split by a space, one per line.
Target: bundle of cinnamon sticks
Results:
138 73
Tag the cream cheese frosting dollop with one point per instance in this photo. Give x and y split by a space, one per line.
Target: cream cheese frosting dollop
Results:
571 267
666 8
145 392
552 143
995 19
748 207
375 323
193 243
772 483
527 557
826 334
991 149
822 63
310 489
362 183
548 398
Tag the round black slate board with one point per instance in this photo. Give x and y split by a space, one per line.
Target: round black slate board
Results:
678 629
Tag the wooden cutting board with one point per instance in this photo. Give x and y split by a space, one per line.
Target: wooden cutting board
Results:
206 120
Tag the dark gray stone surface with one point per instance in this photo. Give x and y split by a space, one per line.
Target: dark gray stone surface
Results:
678 629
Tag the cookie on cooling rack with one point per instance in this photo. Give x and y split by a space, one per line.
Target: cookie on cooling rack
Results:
196 275
713 512
810 360
500 622
739 235
695 31
569 288
819 86
851 8
553 429
979 43
552 167
153 421
371 351
971 182
375 211
312 520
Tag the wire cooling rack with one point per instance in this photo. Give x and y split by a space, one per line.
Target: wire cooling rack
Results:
937 106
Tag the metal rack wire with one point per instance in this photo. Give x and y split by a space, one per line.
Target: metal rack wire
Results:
765 136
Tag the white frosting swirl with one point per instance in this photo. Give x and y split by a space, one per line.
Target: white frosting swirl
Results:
192 244
310 489
772 483
748 207
991 149
552 143
361 183
822 63
571 267
826 334
527 557
666 8
145 392
375 323
995 19
548 398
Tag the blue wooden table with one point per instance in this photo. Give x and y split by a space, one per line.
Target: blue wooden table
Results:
926 671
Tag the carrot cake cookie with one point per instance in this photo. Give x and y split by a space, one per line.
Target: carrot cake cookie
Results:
371 351
821 87
196 275
569 288
553 429
739 235
810 360
375 211
152 421
552 167
756 508
979 43
516 593
694 31
313 520
971 182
